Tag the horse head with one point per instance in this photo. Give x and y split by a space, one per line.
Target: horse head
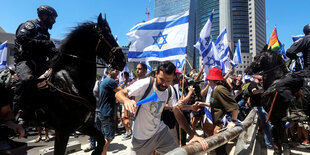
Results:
106 42
268 63
256 66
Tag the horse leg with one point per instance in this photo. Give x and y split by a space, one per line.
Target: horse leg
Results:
280 139
92 131
276 139
61 141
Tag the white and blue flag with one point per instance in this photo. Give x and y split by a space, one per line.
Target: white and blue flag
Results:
207 48
3 55
210 58
148 67
116 39
297 37
237 59
223 51
160 39
179 64
121 74
205 36
208 109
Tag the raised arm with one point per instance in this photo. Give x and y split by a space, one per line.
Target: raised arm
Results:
122 97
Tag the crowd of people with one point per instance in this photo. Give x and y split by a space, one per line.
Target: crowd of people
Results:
183 101
160 121
228 98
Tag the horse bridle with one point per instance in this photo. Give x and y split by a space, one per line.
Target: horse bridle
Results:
269 70
103 39
100 40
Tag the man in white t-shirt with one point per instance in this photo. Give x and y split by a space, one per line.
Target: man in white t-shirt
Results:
149 132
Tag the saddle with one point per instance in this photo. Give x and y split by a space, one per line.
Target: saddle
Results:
8 79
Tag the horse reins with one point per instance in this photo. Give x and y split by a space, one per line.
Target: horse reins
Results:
273 68
78 98
102 38
71 96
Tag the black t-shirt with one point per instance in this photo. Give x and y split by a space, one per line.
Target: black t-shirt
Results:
235 86
254 98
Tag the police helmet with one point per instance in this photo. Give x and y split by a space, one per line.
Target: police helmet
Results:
306 29
45 9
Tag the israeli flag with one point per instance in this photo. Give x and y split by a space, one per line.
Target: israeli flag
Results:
121 74
207 48
126 69
148 67
205 37
116 39
237 60
3 55
297 37
160 39
223 51
210 58
131 76
179 64
208 109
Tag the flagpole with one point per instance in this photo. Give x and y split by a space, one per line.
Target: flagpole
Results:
180 138
189 64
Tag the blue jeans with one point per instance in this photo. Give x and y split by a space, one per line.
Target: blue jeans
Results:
242 110
262 115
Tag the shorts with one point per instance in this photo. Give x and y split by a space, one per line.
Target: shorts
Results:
162 142
106 124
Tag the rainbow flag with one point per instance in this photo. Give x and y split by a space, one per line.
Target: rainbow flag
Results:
275 44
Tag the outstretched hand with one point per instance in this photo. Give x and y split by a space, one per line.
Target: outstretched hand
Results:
130 105
201 140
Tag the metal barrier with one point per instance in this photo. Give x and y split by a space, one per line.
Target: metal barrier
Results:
217 140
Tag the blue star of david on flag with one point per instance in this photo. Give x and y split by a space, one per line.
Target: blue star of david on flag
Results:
157 39
221 47
210 61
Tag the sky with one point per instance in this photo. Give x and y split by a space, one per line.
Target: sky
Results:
289 16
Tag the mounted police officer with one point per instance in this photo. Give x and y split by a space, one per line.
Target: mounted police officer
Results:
290 84
34 49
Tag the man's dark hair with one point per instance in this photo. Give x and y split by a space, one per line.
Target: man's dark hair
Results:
110 69
143 65
167 67
126 74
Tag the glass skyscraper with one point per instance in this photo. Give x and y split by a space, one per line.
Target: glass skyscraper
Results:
246 19
163 8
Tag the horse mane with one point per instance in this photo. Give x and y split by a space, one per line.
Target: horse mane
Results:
73 41
77 32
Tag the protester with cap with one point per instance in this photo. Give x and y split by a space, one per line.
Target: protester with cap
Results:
222 102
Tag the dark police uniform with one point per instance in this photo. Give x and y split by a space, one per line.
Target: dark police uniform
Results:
34 49
290 84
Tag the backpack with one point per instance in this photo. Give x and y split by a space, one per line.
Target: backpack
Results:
167 116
